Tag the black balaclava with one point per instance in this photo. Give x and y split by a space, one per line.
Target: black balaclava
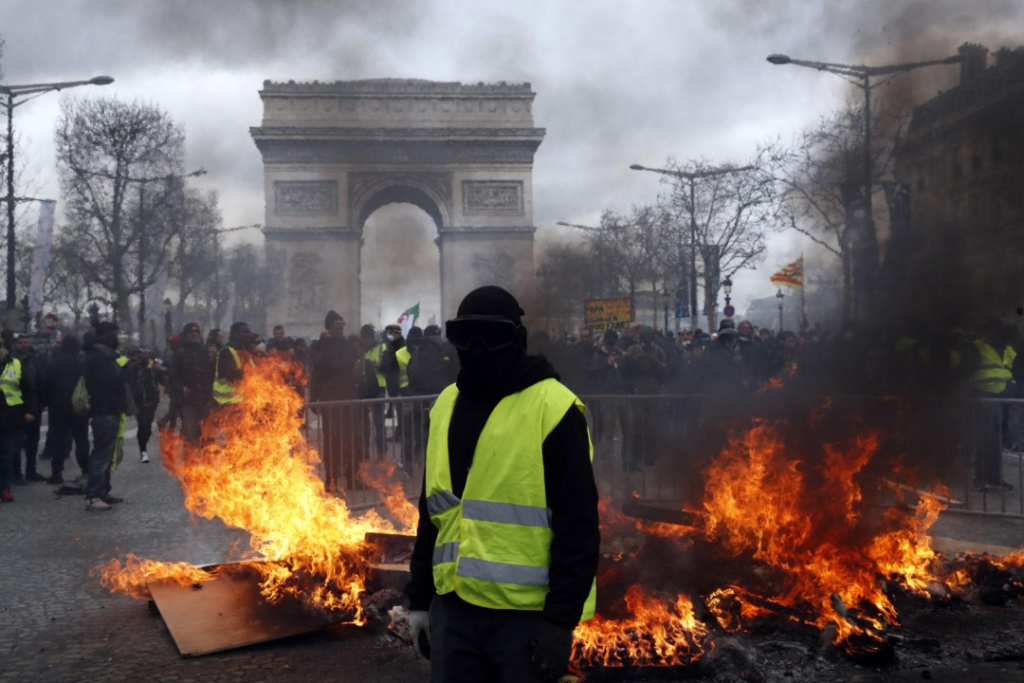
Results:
486 372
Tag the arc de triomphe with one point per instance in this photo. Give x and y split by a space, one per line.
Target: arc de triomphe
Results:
333 153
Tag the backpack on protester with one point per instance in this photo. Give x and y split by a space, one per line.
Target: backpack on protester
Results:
80 398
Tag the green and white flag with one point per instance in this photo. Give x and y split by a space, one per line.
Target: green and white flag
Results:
408 319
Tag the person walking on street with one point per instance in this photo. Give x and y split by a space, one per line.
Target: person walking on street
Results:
20 408
106 382
59 381
190 382
507 545
146 378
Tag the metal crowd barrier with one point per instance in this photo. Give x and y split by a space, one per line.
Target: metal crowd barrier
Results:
657 447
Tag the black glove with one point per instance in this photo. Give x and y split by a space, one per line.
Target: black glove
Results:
552 647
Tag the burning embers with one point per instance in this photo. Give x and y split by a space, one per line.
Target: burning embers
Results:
255 471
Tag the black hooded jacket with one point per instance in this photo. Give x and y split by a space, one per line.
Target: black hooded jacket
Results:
571 495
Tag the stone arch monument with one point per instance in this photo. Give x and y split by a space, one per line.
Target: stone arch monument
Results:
333 153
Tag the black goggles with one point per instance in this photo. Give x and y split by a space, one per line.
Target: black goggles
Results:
491 332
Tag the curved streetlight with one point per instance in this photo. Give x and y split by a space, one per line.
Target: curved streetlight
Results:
861 75
27 92
691 176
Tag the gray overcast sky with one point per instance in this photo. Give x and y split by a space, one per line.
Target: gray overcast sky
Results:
617 81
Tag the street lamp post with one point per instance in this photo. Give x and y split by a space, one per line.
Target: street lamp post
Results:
28 92
861 76
727 288
691 176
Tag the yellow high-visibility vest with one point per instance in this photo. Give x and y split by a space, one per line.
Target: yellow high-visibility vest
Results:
374 355
10 383
223 391
493 545
994 373
403 355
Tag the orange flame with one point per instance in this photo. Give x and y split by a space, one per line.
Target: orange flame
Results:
379 476
807 523
255 471
658 632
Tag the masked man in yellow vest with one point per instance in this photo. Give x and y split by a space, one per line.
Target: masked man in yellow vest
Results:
507 546
992 372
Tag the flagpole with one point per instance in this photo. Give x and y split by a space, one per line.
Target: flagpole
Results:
803 309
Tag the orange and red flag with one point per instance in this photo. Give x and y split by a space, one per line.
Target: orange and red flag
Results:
791 276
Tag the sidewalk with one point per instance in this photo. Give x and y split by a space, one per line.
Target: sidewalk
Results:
58 625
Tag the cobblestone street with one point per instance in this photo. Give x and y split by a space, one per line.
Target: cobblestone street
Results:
58 625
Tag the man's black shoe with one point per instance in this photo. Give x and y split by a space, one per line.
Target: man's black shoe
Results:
55 479
19 480
35 476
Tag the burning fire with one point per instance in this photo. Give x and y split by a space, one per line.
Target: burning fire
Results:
657 632
806 521
783 500
254 470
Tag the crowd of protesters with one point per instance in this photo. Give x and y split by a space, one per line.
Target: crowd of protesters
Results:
388 371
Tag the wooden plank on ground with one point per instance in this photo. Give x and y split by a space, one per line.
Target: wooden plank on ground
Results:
229 612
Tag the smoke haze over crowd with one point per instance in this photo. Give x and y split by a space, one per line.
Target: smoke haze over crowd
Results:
617 83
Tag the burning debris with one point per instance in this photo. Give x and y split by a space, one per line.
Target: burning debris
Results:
789 536
255 471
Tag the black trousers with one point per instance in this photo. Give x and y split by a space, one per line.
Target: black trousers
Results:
471 644
63 429
145 422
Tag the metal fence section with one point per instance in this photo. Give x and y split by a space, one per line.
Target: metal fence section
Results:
657 447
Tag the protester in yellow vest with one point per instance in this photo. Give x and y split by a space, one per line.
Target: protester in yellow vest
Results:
508 541
19 408
230 364
992 376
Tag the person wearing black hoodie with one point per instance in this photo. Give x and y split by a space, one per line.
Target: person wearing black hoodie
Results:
106 382
507 545
59 380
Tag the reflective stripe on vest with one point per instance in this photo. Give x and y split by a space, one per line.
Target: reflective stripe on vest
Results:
402 356
224 391
993 373
494 545
10 383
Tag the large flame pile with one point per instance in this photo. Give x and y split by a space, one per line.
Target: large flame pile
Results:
806 520
789 534
255 471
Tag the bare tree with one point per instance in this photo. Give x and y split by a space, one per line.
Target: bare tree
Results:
567 275
108 151
731 213
632 245
820 175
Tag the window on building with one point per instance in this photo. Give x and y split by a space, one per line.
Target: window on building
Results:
956 169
